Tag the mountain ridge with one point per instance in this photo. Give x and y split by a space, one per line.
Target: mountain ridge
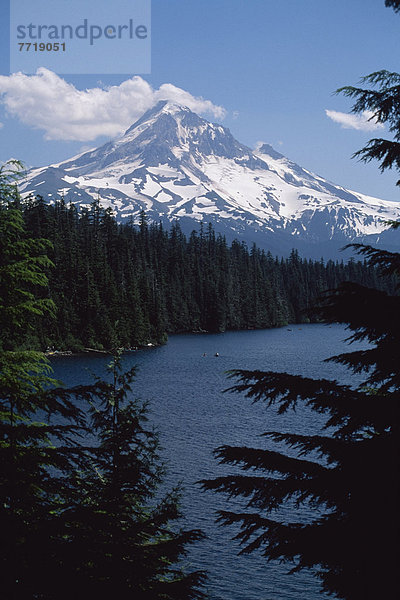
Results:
176 165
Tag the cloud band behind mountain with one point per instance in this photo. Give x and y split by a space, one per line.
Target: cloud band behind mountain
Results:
46 101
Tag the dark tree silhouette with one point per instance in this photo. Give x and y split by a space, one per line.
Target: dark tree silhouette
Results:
116 536
79 515
383 102
395 4
29 430
348 473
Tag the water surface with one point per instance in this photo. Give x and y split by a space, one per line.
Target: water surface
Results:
184 383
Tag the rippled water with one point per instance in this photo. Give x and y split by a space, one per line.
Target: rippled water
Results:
193 416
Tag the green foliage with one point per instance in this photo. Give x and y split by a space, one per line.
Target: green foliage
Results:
329 502
383 102
78 514
348 475
23 266
120 541
28 416
136 284
81 514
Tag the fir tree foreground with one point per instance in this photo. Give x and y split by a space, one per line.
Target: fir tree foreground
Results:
348 474
81 514
121 541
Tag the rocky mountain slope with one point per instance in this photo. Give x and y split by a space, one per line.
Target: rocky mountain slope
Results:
173 164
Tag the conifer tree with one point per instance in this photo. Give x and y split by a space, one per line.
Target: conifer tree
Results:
29 493
78 513
348 474
23 264
395 4
120 539
137 284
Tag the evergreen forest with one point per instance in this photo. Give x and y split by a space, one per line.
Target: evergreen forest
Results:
81 513
128 285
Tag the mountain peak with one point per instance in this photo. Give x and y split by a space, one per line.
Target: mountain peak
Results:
269 151
170 107
163 107
174 164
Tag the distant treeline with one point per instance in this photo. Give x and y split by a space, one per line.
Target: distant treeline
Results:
126 285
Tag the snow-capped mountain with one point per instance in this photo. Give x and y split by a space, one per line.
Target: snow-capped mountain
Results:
173 164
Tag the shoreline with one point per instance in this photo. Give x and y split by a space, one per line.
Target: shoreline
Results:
94 351
85 351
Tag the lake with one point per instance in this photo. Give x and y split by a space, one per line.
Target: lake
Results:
184 382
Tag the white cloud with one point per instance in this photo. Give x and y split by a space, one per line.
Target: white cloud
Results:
46 101
362 122
1 125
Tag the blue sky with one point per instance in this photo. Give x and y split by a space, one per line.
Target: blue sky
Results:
265 69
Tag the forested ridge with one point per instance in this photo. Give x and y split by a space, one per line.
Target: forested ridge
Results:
126 285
